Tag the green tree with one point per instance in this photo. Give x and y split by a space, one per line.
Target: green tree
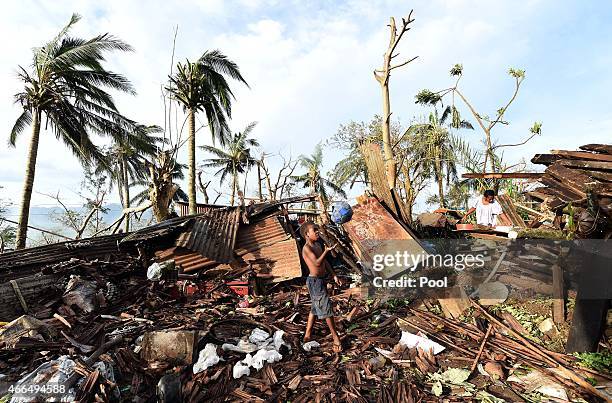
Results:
233 158
486 123
7 231
313 180
65 87
202 87
433 143
349 137
160 187
126 161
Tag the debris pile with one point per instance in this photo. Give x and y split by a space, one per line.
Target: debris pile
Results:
160 314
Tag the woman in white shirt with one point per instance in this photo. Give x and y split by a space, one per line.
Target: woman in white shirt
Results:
488 211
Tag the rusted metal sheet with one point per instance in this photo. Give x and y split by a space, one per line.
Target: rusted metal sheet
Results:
281 260
259 234
212 234
374 231
185 259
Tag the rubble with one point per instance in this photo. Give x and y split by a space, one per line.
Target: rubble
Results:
186 336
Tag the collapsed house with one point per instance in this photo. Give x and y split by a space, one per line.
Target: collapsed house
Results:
211 307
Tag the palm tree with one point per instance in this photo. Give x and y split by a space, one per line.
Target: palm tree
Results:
202 86
434 144
64 86
126 160
160 184
234 158
312 179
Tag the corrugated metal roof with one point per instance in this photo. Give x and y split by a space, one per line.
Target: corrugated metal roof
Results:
185 259
259 234
212 234
280 260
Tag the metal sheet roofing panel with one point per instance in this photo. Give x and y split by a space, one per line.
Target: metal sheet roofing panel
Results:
212 234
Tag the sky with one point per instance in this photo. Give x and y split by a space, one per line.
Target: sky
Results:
309 67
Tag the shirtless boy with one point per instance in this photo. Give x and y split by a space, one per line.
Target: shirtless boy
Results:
318 268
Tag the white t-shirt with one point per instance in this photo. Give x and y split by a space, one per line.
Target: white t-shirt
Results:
486 214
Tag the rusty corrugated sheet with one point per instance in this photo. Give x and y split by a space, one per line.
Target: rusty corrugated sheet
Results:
280 260
185 259
373 231
259 234
212 234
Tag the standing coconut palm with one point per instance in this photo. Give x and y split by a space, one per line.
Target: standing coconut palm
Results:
127 163
434 145
313 180
234 158
64 86
202 86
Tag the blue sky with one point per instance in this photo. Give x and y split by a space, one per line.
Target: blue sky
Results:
309 66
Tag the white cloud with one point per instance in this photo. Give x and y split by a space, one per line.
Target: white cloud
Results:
309 66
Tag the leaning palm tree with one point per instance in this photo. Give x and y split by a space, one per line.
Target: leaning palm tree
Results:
202 86
127 160
64 86
434 146
313 179
234 158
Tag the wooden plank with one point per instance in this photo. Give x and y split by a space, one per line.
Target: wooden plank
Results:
558 294
560 190
583 155
504 175
599 165
545 159
600 148
571 178
508 208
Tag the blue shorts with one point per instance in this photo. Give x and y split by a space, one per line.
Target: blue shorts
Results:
321 304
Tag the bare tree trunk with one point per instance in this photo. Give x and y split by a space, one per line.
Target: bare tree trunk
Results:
382 76
191 190
126 193
203 187
24 212
260 194
234 185
246 174
440 182
390 163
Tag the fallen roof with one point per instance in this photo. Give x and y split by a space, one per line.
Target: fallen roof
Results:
571 176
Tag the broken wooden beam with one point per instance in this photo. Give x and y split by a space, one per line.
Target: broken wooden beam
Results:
503 175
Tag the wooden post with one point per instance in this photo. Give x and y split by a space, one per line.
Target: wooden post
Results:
592 303
558 294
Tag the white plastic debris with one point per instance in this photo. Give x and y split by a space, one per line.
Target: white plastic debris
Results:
240 370
259 337
267 351
262 356
54 372
415 341
155 272
309 345
207 358
243 346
